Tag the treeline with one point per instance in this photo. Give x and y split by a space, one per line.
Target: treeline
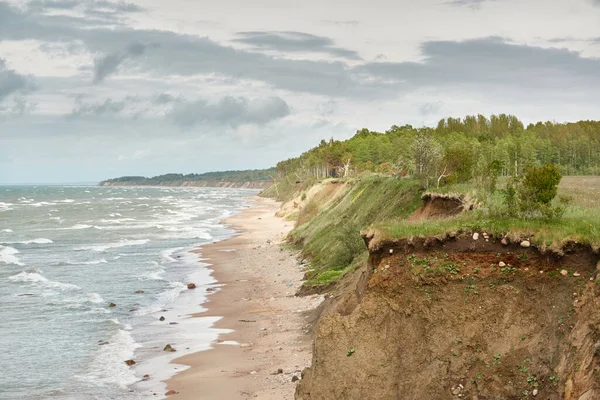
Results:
456 150
256 175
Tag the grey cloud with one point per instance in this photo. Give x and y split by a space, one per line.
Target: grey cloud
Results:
431 108
294 42
352 23
108 107
475 4
202 56
109 6
164 98
232 111
11 82
109 63
491 62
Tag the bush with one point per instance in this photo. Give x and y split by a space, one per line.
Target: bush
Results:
532 196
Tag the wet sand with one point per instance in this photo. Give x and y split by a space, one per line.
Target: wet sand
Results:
257 301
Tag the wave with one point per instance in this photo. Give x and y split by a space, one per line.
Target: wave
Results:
32 241
103 247
66 201
91 262
37 278
7 230
7 255
167 254
164 298
41 204
107 366
78 227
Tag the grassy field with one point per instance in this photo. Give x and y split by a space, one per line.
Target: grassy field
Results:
581 222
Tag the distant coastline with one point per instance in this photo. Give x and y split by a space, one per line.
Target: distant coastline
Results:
221 184
246 179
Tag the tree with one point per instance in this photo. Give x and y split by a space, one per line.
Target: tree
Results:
427 153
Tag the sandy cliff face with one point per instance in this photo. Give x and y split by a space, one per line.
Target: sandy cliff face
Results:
460 318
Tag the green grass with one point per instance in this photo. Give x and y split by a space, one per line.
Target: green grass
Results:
580 223
287 188
331 239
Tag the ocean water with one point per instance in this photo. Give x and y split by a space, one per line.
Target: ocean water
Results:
66 253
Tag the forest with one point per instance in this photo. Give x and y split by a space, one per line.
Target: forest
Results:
456 150
257 175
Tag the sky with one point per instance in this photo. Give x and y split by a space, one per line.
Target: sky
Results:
94 89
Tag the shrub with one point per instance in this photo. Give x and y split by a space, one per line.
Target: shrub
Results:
532 196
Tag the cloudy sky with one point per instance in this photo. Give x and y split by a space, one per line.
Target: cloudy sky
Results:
92 89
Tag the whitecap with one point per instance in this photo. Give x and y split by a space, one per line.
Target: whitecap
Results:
167 254
76 227
33 241
66 201
107 366
37 278
7 230
7 255
104 247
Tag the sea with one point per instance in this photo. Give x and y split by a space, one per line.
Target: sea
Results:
68 252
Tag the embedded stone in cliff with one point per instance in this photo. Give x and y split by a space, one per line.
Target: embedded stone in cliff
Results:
564 272
146 377
502 264
169 348
525 243
475 236
191 286
504 242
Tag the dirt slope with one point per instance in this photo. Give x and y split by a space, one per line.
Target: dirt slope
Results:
460 318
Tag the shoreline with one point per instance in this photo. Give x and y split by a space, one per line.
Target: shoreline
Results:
262 323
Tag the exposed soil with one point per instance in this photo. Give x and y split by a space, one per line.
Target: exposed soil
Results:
436 206
453 317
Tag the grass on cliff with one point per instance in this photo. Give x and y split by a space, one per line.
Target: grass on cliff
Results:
331 238
581 222
287 188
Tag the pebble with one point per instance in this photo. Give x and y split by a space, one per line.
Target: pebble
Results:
502 264
535 392
253 373
525 243
475 236
504 242
245 345
564 272
576 274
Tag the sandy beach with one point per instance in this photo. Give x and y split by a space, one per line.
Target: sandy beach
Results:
257 301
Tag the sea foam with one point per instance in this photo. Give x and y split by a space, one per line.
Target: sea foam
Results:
7 255
103 247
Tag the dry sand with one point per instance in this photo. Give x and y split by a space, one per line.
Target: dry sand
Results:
257 302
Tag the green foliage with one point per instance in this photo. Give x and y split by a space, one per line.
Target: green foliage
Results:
331 239
532 195
541 184
457 150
